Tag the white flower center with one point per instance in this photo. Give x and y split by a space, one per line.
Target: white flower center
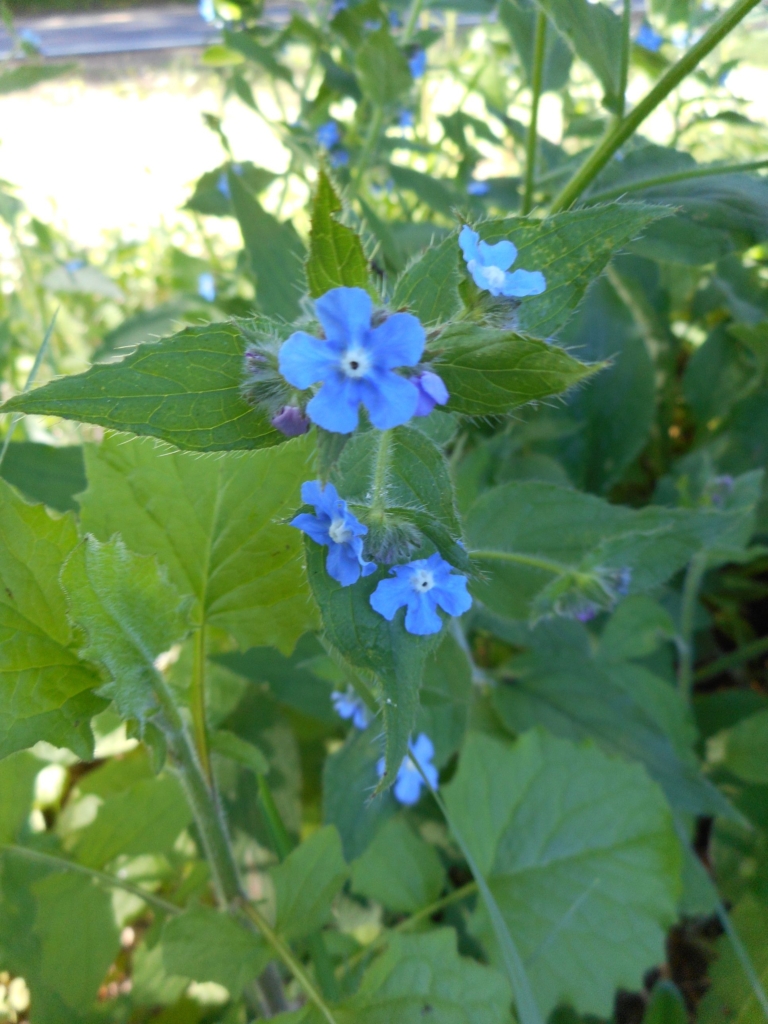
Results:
494 276
422 581
338 532
355 362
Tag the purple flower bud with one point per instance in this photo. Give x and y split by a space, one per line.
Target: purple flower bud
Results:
255 361
432 392
291 421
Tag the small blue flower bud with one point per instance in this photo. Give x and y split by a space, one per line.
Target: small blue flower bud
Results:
291 421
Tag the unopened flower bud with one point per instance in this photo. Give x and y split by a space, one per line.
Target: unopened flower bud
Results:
291 421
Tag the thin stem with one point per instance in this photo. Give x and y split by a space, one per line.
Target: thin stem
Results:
197 701
619 133
286 955
29 382
531 146
534 561
370 143
410 22
693 579
380 472
626 27
110 881
277 829
735 658
667 179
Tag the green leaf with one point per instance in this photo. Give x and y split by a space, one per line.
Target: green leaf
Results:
78 937
446 699
209 199
429 287
68 726
145 818
214 524
185 390
571 249
336 256
435 192
306 883
731 997
275 252
594 33
519 19
581 856
382 69
17 787
39 669
130 614
241 751
45 473
24 76
399 870
745 748
368 641
490 372
666 1006
208 945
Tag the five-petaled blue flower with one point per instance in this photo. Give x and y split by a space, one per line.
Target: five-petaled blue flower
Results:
407 788
488 265
349 705
648 39
355 363
337 529
422 587
417 63
328 135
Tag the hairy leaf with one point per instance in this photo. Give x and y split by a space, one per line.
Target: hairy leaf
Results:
44 473
429 287
206 945
307 881
336 256
399 870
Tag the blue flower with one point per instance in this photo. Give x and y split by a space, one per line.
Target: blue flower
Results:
478 188
338 158
290 421
337 6
222 185
407 788
488 265
349 705
328 135
417 62
72 266
422 586
337 529
405 119
206 287
208 11
432 392
31 38
648 39
355 363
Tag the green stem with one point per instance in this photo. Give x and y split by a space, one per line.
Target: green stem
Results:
735 658
29 382
110 881
370 143
693 579
410 22
534 561
667 179
626 28
531 146
197 701
380 472
619 133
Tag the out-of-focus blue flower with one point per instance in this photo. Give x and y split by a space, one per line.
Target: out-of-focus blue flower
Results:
337 6
349 705
72 266
207 11
417 62
432 392
31 38
395 20
409 782
422 587
222 185
648 39
406 119
488 265
355 363
371 26
290 421
478 188
328 135
338 158
337 529
206 286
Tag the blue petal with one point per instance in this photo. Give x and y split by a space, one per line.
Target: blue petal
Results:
335 405
389 399
356 546
524 282
407 788
304 360
313 527
480 277
345 314
399 341
422 619
328 502
502 255
468 240
390 595
342 564
453 596
423 749
312 493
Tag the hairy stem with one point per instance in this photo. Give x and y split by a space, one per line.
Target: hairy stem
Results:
380 472
370 143
619 133
534 561
531 146
197 701
691 587
102 877
669 179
